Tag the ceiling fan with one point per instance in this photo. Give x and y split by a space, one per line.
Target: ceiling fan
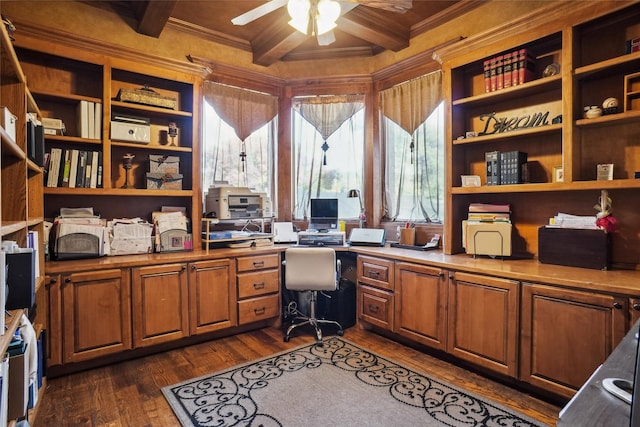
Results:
317 17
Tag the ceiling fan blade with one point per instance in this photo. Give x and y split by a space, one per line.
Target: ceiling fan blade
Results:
258 12
326 39
400 6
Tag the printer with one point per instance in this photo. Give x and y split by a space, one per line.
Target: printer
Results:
228 202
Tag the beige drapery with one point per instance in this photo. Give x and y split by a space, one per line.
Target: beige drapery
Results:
244 110
328 112
409 104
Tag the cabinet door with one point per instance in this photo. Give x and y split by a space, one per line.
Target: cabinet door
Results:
566 335
212 295
483 321
97 314
634 311
54 319
161 304
420 304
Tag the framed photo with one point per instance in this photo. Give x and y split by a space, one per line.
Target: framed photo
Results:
558 174
605 172
470 180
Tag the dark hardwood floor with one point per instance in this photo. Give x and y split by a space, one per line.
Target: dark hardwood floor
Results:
128 393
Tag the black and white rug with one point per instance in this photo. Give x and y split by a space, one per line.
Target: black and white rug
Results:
339 384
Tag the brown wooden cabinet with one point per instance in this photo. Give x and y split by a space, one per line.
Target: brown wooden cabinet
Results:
588 44
420 299
212 295
96 317
69 78
258 287
160 304
375 291
566 334
483 321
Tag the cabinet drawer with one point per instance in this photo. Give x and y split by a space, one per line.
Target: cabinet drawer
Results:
376 272
375 306
259 283
258 262
255 309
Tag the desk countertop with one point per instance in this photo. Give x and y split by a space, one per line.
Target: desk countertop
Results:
624 282
593 405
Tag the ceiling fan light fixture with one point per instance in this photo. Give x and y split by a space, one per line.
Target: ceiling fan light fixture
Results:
323 12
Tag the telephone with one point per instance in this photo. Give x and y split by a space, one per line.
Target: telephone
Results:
433 243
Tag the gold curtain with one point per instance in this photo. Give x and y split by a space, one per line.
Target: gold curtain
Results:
409 104
328 113
244 110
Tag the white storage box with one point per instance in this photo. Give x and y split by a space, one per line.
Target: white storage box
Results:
165 164
130 132
8 122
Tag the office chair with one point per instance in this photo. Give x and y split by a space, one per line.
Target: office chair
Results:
312 269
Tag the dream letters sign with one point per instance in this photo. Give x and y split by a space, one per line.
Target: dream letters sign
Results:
497 122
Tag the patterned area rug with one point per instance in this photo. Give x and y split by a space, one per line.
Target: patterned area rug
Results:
338 384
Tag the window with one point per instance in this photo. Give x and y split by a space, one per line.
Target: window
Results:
337 124
412 120
225 156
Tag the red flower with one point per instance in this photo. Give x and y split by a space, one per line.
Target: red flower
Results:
607 223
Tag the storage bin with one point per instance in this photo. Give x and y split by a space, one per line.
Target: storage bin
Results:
574 247
164 181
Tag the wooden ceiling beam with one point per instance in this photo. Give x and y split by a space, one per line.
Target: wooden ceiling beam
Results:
371 26
153 15
276 41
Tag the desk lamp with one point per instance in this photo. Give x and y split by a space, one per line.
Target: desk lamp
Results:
356 193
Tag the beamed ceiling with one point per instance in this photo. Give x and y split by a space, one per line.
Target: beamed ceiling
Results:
366 30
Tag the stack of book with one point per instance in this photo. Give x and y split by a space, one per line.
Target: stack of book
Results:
509 69
489 212
505 167
73 168
89 119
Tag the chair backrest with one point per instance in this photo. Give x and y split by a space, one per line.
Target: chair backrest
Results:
310 269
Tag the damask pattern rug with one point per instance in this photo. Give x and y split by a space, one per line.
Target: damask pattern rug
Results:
338 384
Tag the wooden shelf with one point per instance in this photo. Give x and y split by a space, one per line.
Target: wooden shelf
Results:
509 135
151 109
525 89
120 192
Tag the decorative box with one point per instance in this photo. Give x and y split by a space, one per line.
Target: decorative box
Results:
574 247
164 181
146 96
8 122
164 164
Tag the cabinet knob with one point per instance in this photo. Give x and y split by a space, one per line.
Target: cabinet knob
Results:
193 267
67 280
636 306
441 274
617 305
183 268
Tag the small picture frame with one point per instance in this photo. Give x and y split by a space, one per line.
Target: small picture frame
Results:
605 172
558 174
470 180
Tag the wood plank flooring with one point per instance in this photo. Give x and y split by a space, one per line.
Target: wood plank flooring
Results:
128 393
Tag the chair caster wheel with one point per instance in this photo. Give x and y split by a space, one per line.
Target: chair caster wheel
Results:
320 343
286 339
340 332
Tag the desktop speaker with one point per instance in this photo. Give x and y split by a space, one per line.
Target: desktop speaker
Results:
20 279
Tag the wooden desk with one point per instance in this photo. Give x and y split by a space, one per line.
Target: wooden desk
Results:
595 406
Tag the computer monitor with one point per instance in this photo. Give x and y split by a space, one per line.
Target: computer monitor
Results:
324 215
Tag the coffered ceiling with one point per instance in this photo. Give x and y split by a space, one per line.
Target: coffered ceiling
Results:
367 29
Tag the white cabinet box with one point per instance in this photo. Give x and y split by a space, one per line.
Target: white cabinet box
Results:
8 122
130 132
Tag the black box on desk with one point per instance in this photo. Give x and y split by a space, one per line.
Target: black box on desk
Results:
574 247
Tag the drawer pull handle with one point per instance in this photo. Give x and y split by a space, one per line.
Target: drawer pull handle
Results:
373 308
636 306
259 311
258 285
617 305
258 264
373 274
